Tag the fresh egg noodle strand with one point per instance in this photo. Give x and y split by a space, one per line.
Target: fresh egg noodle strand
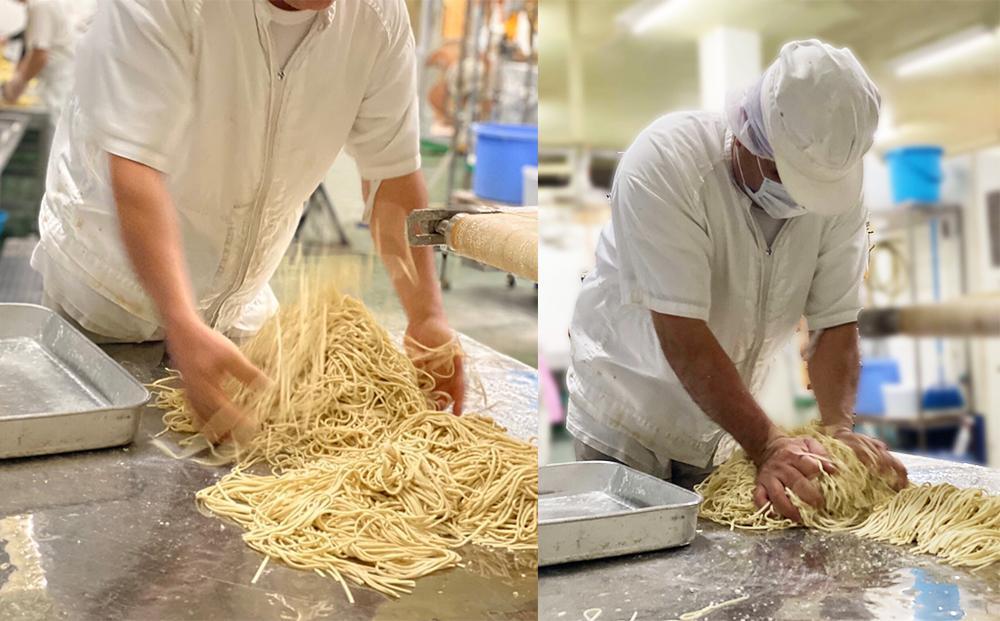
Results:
697 614
352 473
961 526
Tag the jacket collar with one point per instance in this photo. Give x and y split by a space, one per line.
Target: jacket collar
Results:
325 18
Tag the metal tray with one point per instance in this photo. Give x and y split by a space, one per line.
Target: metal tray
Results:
58 391
595 509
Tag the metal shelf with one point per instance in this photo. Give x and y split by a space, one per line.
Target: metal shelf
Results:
906 215
12 129
926 421
905 219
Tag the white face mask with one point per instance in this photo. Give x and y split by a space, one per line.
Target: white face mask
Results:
772 197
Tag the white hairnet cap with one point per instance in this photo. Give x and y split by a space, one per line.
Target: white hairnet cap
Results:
746 120
820 111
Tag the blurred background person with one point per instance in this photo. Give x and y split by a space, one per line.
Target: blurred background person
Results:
50 36
38 39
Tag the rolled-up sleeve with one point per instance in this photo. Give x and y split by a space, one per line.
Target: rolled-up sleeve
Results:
662 239
385 137
43 22
835 292
135 78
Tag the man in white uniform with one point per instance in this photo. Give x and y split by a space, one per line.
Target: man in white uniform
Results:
724 232
50 35
196 132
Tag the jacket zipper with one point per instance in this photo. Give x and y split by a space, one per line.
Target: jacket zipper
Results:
765 285
275 99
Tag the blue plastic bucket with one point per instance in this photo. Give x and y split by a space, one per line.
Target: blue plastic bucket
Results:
3 221
502 150
874 373
915 173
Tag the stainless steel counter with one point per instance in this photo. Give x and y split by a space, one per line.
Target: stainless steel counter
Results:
12 128
114 534
24 172
787 575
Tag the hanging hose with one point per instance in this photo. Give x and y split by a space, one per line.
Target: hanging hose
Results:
890 281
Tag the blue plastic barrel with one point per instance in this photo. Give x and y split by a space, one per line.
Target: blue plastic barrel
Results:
3 221
874 373
502 150
915 173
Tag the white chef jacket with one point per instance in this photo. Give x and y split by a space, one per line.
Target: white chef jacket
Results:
51 26
192 89
682 241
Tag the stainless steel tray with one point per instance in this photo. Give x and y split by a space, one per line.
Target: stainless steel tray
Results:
595 509
58 391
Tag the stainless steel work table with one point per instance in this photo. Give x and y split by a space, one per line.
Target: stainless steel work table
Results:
114 534
12 128
788 575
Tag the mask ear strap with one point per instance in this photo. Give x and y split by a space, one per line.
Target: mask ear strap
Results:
761 169
739 166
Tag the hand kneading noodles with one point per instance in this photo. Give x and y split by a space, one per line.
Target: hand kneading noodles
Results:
962 526
367 481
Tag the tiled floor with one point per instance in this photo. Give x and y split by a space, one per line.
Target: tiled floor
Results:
479 303
18 282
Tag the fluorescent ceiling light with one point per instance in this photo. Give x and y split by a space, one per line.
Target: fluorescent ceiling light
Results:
646 14
887 129
947 50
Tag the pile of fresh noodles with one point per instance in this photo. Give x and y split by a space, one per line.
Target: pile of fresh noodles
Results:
962 526
352 473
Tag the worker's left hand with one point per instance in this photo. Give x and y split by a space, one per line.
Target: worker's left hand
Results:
432 333
874 453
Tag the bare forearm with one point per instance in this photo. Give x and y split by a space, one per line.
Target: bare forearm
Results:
712 381
411 269
32 64
833 372
152 240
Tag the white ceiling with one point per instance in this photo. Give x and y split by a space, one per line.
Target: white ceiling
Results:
629 80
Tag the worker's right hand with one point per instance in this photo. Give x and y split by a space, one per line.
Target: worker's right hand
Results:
206 359
791 463
12 89
449 376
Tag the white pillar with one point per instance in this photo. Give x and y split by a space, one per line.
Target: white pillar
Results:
728 59
574 69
